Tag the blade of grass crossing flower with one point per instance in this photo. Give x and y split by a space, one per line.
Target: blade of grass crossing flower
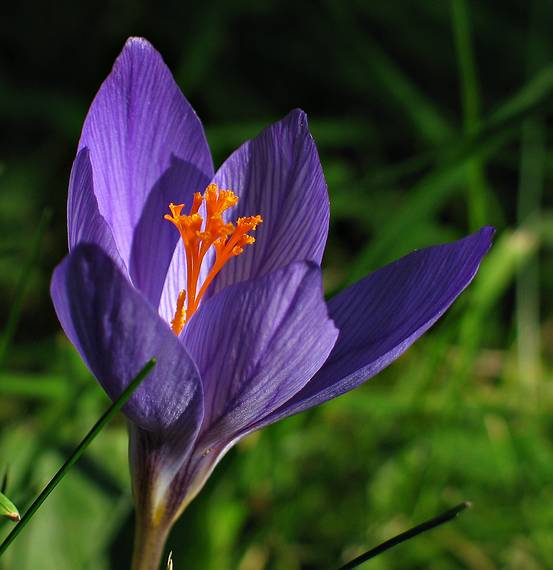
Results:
476 182
407 535
74 457
22 283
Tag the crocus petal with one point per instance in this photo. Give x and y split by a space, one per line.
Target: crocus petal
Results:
258 343
147 148
279 176
82 205
382 315
156 239
116 332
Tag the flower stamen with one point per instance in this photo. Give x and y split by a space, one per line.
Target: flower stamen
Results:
179 319
198 237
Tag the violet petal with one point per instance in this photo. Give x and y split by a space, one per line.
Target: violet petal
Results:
256 344
147 148
116 332
383 314
279 176
83 206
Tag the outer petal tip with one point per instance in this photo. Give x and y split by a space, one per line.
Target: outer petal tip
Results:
298 115
488 231
483 241
139 42
296 120
136 49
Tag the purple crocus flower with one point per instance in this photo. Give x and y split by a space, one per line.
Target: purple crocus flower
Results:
241 331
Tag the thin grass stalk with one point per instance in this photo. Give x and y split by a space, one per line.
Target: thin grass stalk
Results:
75 456
470 94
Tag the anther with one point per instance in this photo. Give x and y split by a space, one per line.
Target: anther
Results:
199 236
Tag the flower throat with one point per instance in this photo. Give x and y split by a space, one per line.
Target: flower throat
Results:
198 237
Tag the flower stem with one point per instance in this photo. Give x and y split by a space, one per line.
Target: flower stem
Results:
149 542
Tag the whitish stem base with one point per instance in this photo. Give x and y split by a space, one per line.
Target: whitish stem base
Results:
149 542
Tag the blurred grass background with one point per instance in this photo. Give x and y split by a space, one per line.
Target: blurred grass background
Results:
432 119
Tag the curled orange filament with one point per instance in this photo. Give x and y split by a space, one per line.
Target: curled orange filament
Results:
198 236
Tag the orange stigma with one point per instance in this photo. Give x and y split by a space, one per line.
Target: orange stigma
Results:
198 237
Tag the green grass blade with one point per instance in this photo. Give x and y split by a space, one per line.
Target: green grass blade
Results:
440 184
527 100
510 253
467 67
476 181
74 457
533 161
527 310
33 386
425 199
8 509
365 57
407 535
21 289
4 483
507 118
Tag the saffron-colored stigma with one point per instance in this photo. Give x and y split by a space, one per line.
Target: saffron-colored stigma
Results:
227 238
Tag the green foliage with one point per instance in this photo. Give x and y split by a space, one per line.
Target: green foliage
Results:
7 509
431 118
60 473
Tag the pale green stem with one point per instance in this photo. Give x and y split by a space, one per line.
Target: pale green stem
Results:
149 543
